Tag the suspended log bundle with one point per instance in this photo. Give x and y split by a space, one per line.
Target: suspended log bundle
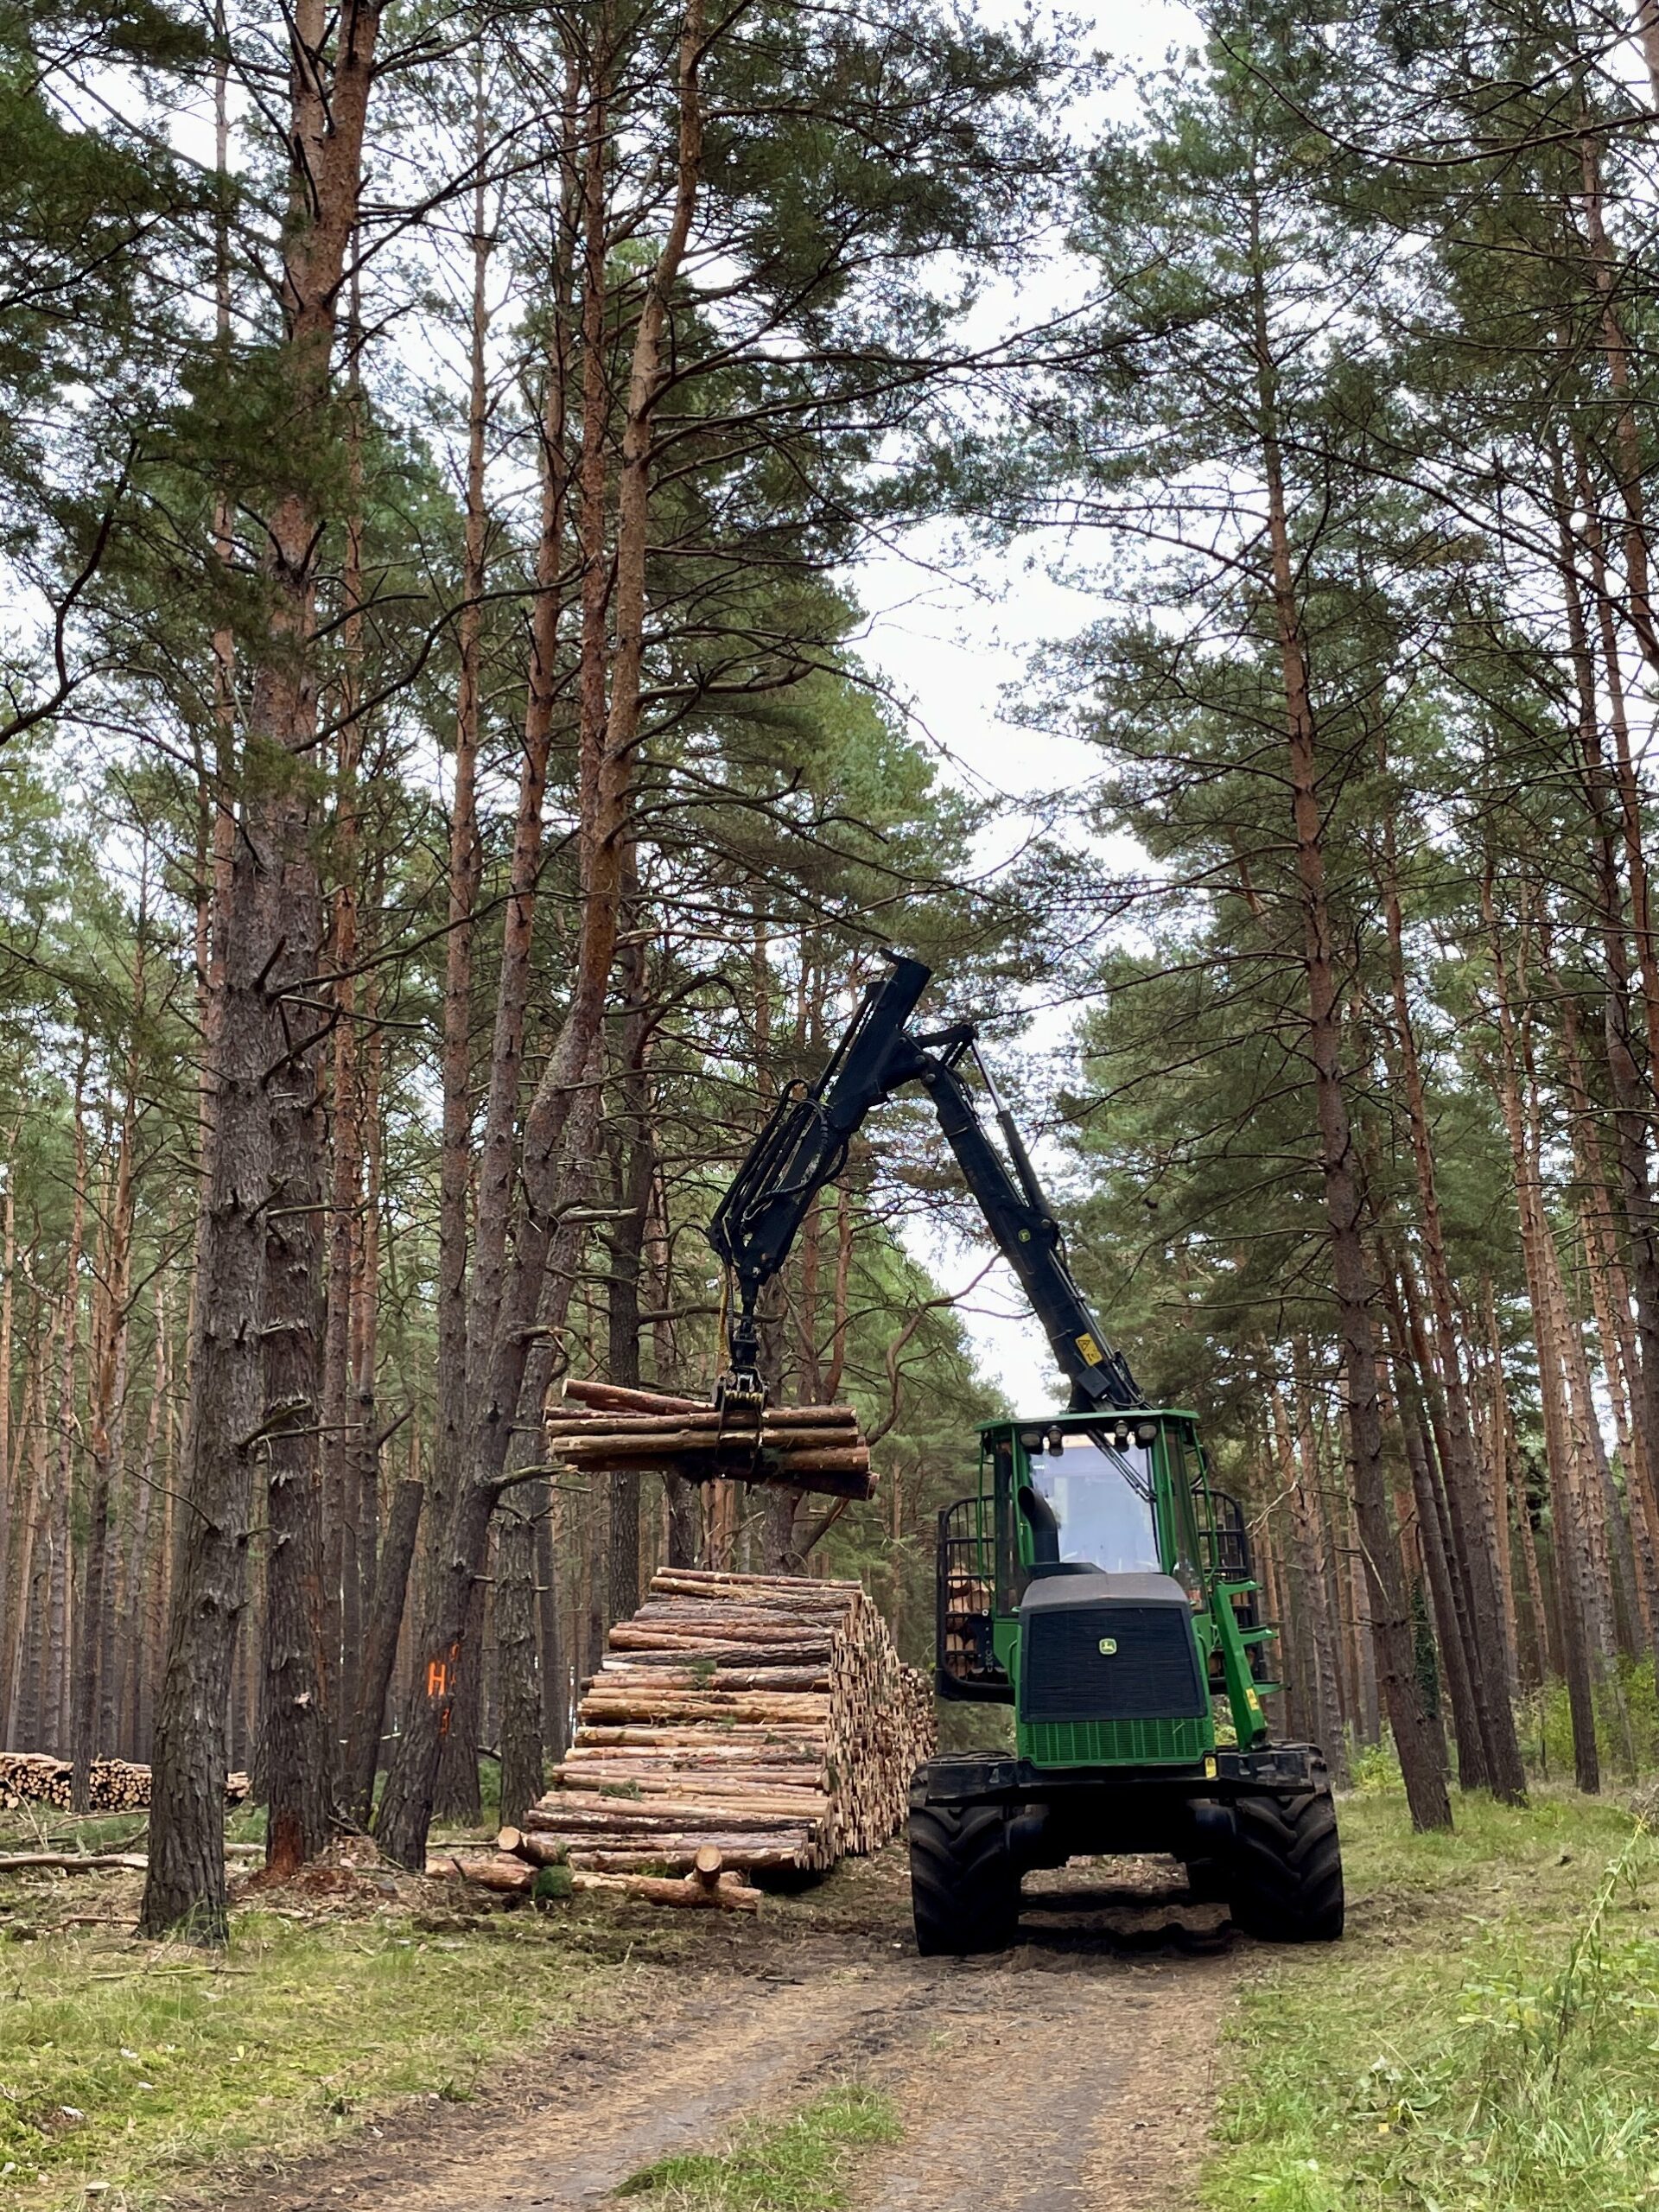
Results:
604 1429
767 1717
117 1785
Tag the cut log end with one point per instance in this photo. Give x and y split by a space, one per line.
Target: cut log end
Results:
674 1772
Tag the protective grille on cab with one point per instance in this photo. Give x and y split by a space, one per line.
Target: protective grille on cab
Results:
1152 1674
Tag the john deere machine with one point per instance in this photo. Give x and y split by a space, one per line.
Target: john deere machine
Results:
1095 1581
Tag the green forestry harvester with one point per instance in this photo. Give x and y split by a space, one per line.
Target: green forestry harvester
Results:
1095 1581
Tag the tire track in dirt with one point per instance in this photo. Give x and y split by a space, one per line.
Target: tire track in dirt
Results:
1073 2074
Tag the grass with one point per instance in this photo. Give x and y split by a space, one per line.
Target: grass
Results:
795 2164
137 2066
1487 2037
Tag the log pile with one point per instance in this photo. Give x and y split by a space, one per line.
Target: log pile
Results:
768 1717
117 1786
512 1870
602 1428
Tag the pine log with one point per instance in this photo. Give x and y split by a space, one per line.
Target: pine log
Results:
728 1893
678 1858
790 1430
615 1398
114 1785
670 1756
74 1862
540 1850
706 1864
512 1877
604 1426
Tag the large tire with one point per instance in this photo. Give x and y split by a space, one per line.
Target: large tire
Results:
1286 1883
964 1887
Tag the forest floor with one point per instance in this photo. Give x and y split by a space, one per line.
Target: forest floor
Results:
365 2043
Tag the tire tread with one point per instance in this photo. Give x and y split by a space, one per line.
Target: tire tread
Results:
1287 1876
964 1891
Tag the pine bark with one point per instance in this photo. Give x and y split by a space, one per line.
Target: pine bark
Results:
265 1086
498 1162
1471 1537
511 1395
1421 1754
1538 1255
107 1412
380 1649
466 863
635 1170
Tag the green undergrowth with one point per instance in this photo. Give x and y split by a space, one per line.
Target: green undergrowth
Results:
1485 2039
796 2164
126 2069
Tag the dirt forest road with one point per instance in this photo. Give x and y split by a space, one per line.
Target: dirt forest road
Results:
1074 2074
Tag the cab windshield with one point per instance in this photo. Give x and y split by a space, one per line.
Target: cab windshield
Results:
1102 1496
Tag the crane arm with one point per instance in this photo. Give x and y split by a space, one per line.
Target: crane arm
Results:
803 1147
1019 1218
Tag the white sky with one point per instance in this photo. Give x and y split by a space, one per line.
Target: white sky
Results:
951 642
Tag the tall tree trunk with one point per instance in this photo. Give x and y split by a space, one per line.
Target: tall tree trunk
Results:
380 1649
133 1654
466 863
498 1166
28 1485
635 1173
512 1393
7 1277
340 1623
1610 1295
517 1653
248 1345
1448 1601
107 1410
1629 1083
1471 1537
556 1703
1538 1253
1420 1752
363 1470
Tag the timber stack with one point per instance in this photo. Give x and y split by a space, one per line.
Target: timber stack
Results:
767 1716
604 1429
116 1785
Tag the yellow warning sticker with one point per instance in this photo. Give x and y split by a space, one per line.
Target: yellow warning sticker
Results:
1089 1350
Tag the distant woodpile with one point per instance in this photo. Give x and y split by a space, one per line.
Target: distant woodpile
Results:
603 1428
767 1717
118 1786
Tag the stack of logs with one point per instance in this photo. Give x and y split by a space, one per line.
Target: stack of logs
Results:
517 1868
738 1723
602 1428
767 1716
116 1785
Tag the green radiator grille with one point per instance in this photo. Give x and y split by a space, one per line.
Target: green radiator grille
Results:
1123 1743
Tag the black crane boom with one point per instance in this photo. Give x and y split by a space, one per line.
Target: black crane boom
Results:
803 1147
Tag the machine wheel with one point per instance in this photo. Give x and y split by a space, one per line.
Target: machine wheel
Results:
1286 1883
964 1887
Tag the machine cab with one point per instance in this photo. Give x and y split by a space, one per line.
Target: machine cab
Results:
1097 1584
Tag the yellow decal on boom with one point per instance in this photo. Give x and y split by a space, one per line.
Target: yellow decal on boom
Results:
1091 1351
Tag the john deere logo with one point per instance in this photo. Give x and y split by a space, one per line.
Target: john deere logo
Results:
1107 1646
